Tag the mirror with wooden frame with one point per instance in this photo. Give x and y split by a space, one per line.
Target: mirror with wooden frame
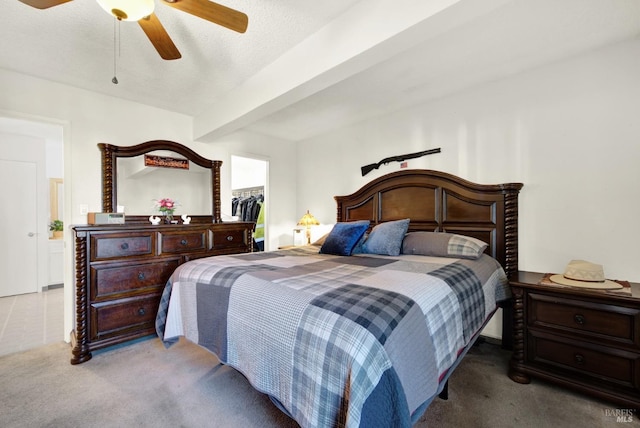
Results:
133 177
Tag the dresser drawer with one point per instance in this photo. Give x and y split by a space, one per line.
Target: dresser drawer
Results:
616 367
598 321
109 279
180 242
122 245
119 317
230 238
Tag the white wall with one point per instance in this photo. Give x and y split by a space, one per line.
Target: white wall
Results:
55 157
247 172
569 131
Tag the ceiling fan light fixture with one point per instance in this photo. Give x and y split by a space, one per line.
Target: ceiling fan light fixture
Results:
128 10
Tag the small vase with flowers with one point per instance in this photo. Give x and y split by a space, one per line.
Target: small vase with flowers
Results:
166 207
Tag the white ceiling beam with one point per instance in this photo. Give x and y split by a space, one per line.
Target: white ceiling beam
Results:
368 33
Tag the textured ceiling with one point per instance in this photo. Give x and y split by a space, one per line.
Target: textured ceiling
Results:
73 43
422 54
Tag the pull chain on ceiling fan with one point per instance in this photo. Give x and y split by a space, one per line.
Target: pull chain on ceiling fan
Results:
116 49
142 12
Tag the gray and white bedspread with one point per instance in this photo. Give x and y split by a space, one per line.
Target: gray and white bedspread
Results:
337 341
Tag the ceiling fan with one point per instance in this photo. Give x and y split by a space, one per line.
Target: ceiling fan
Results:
142 11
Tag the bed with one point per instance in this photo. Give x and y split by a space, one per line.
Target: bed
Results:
365 327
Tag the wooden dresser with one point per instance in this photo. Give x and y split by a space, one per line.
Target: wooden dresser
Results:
588 340
121 271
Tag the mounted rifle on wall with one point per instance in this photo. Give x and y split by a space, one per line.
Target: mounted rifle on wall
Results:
368 168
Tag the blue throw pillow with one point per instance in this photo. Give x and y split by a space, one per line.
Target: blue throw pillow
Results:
344 237
386 238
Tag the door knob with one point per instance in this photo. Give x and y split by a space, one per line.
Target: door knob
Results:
31 234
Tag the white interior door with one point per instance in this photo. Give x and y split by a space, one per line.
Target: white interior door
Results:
18 232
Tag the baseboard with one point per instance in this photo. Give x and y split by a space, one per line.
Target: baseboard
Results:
490 340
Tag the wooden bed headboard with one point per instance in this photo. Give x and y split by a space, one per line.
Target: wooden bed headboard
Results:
440 202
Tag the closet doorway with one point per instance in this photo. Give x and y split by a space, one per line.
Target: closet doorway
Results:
249 195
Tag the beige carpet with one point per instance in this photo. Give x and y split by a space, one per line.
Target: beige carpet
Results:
145 385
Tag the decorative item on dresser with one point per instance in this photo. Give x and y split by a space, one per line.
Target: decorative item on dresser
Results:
121 269
583 338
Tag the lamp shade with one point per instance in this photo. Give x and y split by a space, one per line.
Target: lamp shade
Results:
308 220
128 10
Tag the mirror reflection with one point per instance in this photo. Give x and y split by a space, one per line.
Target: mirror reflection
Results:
135 177
164 174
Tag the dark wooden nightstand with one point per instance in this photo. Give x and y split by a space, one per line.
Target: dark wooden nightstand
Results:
585 339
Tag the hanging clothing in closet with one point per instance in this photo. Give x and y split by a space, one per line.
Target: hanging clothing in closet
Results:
250 208
258 234
247 208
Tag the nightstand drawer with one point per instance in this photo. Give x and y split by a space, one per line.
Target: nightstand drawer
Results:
598 321
119 316
616 367
109 279
119 245
180 242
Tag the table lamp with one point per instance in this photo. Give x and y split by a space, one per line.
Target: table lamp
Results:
307 221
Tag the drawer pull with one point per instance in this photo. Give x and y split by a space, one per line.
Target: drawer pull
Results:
140 276
579 319
229 238
579 358
183 242
141 311
124 246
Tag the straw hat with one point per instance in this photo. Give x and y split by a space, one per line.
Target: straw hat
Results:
580 273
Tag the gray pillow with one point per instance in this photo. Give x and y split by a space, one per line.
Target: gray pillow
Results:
386 238
442 244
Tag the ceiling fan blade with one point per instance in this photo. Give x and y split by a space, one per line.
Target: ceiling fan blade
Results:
43 4
159 37
216 13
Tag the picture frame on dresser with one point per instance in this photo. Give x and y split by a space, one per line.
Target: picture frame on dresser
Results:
121 269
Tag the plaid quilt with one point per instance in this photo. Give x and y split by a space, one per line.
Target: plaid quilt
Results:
335 341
